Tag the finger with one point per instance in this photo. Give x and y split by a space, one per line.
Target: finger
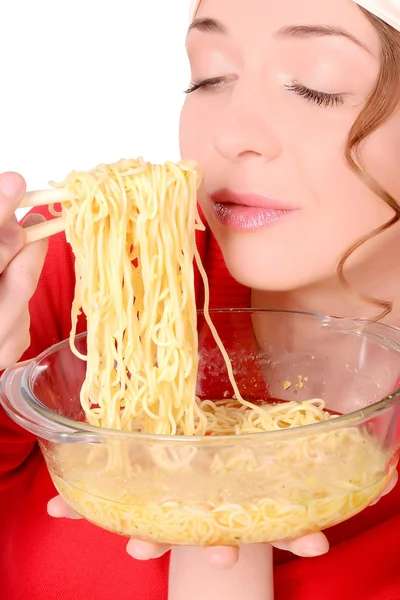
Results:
16 342
12 190
12 240
58 508
146 550
222 557
19 280
17 285
314 544
392 483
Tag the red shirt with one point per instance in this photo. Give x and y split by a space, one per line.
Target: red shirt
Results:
43 558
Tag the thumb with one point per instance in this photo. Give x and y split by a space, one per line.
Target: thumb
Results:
58 508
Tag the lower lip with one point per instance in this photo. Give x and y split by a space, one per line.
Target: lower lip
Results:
238 216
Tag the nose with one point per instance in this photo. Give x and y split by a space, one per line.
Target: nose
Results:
246 128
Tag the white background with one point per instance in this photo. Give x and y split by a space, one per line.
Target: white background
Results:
89 81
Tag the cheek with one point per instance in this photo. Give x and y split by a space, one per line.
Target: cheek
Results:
318 152
340 198
195 132
195 140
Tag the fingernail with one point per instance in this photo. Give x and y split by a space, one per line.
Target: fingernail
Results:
222 558
309 554
138 550
145 550
11 185
10 234
310 549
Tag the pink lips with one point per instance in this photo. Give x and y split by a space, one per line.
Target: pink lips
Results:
247 211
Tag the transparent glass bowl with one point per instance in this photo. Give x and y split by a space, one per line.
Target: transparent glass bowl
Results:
229 489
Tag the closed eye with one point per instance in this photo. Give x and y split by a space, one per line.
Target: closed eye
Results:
319 98
212 83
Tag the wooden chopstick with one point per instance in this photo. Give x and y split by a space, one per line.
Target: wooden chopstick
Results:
44 230
43 198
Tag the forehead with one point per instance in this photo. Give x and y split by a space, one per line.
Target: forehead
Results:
259 18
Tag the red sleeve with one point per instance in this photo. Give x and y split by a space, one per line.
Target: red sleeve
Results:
50 323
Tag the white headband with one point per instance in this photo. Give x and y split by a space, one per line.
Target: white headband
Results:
387 10
194 5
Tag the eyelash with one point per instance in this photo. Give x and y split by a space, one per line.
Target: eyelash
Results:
214 82
319 98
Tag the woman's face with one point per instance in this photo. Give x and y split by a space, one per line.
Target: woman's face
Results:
276 87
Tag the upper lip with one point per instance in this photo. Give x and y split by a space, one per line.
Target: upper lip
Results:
225 196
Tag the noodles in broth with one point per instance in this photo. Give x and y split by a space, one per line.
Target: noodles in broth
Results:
132 229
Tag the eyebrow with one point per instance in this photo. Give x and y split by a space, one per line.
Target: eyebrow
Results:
306 31
208 25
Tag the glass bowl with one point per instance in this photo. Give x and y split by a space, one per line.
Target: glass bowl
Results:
232 489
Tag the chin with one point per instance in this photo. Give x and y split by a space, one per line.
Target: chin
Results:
265 280
261 269
275 259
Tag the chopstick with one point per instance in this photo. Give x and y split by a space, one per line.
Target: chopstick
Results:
43 230
43 198
60 195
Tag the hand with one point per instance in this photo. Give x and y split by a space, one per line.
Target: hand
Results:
20 269
313 544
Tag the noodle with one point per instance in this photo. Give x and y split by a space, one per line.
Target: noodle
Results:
132 228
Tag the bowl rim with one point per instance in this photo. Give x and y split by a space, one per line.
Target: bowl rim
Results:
85 432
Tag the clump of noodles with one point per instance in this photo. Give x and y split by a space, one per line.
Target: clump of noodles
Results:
131 226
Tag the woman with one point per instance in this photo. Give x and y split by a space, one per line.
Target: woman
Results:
283 95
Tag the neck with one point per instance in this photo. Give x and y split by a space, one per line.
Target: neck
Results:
380 281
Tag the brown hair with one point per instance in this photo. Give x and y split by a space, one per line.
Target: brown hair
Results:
380 105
